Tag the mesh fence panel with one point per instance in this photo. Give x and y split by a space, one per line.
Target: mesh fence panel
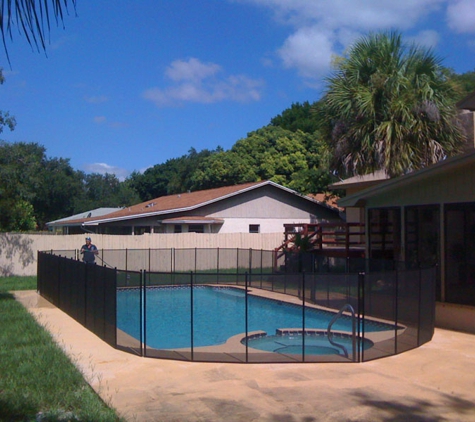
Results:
231 305
129 311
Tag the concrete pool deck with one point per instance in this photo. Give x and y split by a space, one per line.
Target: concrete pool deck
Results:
435 382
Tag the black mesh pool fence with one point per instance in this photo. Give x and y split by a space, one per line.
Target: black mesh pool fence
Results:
236 306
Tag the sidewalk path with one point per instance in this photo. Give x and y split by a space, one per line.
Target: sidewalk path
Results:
435 382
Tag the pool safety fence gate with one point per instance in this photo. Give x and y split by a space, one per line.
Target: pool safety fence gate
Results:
342 311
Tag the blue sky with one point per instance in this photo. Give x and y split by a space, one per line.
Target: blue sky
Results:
130 84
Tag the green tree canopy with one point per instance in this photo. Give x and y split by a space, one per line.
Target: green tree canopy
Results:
5 118
29 181
173 176
390 107
294 159
103 190
298 117
463 84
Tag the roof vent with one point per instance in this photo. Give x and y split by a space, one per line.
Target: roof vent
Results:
152 204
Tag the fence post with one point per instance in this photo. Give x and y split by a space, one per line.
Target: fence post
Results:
361 314
419 300
303 316
246 308
396 307
143 322
191 316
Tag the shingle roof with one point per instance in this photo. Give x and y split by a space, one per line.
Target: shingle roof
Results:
325 199
176 203
87 214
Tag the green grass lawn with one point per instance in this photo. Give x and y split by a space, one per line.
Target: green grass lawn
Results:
38 382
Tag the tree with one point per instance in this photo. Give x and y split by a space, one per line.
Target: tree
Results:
464 83
173 176
104 190
390 107
29 181
16 215
225 168
32 18
58 187
293 159
5 118
297 117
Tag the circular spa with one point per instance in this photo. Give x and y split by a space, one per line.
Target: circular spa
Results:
253 314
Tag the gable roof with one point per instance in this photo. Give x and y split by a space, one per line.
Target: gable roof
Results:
413 177
181 202
86 214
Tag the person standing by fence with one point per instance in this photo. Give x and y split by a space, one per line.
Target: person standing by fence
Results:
89 252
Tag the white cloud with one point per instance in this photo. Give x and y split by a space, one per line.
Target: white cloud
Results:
191 70
103 168
461 15
309 50
357 14
197 82
321 28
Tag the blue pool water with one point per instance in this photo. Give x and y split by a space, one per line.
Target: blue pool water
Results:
292 344
218 314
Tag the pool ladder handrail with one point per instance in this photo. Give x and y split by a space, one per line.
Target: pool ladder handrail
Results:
348 307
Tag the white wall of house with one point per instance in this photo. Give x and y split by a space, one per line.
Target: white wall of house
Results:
269 225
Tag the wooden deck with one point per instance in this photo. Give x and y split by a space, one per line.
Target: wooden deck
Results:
332 239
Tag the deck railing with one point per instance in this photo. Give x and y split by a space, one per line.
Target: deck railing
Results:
305 237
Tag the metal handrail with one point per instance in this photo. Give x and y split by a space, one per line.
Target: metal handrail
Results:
347 306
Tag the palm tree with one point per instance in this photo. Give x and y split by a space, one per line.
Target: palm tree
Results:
390 108
32 18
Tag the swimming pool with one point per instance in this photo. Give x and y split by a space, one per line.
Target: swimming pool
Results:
219 313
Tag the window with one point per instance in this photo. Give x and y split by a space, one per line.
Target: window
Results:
384 233
422 235
254 228
460 253
138 230
196 228
177 228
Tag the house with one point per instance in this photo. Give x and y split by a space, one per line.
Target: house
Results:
427 217
258 207
63 225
